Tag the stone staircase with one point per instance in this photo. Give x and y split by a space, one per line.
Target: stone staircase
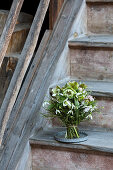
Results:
87 57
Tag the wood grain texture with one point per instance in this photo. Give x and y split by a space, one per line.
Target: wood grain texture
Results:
22 18
9 27
18 38
23 63
54 9
6 73
27 83
28 111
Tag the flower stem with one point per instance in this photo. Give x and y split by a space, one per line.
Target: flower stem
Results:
72 132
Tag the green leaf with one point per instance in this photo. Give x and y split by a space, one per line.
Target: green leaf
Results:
83 86
74 85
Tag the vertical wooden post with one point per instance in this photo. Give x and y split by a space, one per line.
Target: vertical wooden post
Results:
55 7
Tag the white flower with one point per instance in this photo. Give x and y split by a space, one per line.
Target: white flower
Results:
78 94
87 108
73 106
70 112
82 103
57 111
80 89
89 117
95 107
90 98
68 93
61 94
55 91
66 102
53 94
45 104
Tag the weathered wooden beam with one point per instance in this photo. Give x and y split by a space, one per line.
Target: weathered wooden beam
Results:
22 66
54 9
27 83
9 27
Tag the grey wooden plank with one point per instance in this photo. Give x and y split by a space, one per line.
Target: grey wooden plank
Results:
9 27
98 88
21 68
29 110
24 91
97 140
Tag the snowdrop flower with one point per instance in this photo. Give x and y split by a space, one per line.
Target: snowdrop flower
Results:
84 91
80 89
87 108
94 108
54 94
68 93
45 104
55 91
89 117
70 112
61 94
82 103
66 102
57 111
73 106
89 97
78 94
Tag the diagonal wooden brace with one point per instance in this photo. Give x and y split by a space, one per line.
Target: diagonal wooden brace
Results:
9 27
22 66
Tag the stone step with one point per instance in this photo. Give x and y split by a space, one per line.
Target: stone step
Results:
97 40
100 16
99 1
92 58
95 153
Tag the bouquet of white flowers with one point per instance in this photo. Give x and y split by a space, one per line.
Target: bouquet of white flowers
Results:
72 104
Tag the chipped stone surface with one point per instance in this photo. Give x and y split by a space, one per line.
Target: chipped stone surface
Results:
105 117
55 159
100 18
91 64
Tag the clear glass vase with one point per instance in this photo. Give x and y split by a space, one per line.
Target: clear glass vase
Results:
72 132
